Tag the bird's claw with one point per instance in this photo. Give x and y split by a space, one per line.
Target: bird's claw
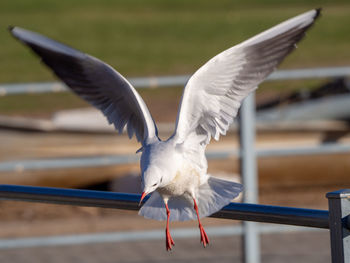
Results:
204 237
169 242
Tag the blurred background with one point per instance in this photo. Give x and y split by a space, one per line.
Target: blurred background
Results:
165 38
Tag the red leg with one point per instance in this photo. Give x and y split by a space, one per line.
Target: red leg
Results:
169 241
204 237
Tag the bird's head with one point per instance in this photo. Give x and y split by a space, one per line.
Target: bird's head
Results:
151 179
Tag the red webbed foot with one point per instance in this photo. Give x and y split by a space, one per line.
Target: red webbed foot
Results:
169 242
204 237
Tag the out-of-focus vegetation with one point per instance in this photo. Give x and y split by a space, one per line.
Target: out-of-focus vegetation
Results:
157 37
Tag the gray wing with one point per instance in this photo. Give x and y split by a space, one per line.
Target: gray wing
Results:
214 93
96 82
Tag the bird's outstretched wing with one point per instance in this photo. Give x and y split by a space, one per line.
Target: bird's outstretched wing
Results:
96 82
212 96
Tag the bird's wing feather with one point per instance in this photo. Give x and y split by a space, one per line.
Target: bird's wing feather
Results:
214 93
96 82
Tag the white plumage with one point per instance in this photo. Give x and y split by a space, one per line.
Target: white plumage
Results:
175 170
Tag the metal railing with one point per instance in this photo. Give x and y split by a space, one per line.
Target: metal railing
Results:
109 160
337 219
171 81
145 235
237 211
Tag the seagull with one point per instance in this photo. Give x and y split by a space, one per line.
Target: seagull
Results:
174 172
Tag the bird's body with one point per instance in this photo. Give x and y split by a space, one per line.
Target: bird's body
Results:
174 171
182 170
175 167
182 180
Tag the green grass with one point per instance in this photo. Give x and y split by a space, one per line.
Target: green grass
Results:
158 37
39 105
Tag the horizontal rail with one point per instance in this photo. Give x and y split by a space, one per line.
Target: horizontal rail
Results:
238 211
144 235
327 148
169 81
310 73
71 162
108 160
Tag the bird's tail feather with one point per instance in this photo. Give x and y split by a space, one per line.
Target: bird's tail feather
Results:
215 194
211 197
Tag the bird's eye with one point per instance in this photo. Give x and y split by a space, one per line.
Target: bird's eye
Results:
154 185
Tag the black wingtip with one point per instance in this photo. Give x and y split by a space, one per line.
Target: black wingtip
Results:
318 12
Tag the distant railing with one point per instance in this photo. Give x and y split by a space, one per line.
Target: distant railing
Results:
336 219
159 82
108 160
171 81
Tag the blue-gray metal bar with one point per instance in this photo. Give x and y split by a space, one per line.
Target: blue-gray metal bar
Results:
170 81
71 162
251 239
144 235
247 146
31 88
339 213
327 148
310 73
250 212
141 82
107 160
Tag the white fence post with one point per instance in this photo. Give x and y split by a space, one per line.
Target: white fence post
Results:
251 240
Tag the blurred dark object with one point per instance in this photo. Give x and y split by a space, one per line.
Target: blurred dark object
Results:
334 87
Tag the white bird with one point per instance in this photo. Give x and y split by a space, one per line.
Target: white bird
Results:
175 170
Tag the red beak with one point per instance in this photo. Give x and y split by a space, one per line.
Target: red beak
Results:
142 196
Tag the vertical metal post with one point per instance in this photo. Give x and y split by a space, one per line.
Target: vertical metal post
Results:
251 240
339 211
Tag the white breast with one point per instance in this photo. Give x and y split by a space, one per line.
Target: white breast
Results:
186 181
